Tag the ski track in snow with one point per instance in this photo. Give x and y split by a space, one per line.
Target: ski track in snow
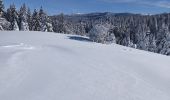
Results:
17 46
11 69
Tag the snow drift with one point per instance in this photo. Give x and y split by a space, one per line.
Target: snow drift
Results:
47 66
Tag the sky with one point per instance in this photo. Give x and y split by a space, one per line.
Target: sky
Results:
54 7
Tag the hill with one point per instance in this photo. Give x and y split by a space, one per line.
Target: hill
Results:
47 66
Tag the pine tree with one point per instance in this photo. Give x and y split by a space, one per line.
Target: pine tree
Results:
23 18
12 17
43 20
1 8
61 26
35 21
49 25
29 18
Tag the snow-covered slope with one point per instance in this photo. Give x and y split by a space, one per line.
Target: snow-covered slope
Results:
47 66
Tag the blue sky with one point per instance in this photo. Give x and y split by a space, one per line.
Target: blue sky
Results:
88 6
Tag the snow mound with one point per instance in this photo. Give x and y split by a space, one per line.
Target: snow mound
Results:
48 66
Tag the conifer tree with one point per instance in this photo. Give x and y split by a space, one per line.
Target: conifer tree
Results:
1 8
43 20
36 21
29 18
23 24
12 17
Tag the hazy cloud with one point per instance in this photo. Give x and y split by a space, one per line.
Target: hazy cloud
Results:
164 4
156 3
120 1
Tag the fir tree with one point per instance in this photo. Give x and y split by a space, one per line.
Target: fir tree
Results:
1 8
61 26
12 17
35 21
29 18
43 20
23 18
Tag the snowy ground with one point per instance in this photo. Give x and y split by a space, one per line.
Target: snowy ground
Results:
47 66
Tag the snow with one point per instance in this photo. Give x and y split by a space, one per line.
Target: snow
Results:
48 66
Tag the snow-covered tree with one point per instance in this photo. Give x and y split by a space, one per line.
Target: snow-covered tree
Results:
49 25
12 17
4 24
23 18
60 24
100 33
1 29
163 43
111 36
1 8
15 26
36 26
43 20
29 18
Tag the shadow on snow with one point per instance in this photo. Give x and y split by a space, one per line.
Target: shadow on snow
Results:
79 38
